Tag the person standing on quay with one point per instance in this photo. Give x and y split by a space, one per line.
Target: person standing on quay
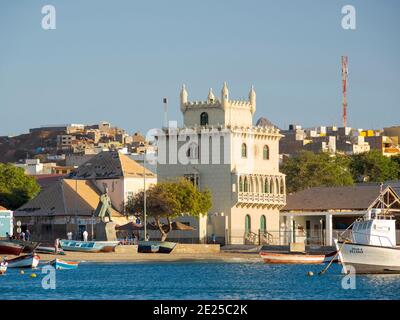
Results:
85 235
28 235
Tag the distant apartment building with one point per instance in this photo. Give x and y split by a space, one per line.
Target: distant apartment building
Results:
389 146
64 141
345 140
35 167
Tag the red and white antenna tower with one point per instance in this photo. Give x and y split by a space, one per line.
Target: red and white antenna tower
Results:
344 82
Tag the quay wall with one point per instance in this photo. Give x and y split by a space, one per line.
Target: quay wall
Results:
131 249
196 248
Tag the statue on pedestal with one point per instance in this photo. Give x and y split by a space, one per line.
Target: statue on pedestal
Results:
105 229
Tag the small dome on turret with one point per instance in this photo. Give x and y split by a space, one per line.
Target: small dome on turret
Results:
211 97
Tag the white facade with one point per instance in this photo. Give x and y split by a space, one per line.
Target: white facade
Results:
35 167
219 148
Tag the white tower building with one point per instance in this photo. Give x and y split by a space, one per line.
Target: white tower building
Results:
219 148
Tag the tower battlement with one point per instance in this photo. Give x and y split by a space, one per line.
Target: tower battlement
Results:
224 102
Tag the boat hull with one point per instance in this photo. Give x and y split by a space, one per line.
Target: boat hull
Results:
64 265
28 246
49 250
88 246
291 258
156 246
368 259
9 247
27 261
107 246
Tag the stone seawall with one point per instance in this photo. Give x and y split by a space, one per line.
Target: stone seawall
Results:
184 248
126 249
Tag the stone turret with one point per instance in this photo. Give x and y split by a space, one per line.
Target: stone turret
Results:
211 97
252 99
218 111
184 98
225 96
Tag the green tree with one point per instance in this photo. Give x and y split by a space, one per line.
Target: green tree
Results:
16 188
397 160
309 169
373 166
170 200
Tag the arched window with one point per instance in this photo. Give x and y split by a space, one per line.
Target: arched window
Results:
204 119
266 152
272 186
266 186
247 224
282 186
241 184
263 224
246 185
244 150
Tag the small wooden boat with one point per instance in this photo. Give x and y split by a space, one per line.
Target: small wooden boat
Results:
156 246
64 265
148 247
296 258
9 247
88 246
107 246
28 246
3 267
26 261
49 250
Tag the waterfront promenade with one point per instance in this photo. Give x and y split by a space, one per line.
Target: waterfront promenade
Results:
182 253
154 257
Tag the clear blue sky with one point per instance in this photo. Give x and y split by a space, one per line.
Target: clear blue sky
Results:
116 60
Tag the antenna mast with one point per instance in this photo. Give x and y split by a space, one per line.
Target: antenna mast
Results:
344 83
165 102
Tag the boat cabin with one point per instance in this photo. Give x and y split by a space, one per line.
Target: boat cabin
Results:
375 229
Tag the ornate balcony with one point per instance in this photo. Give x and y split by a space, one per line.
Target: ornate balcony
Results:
262 199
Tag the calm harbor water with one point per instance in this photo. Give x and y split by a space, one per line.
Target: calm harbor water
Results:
200 280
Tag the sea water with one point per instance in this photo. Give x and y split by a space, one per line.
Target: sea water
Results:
200 280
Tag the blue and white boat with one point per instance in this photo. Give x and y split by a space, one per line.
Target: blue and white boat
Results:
88 246
64 265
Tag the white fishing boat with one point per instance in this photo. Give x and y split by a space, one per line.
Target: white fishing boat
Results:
26 261
372 248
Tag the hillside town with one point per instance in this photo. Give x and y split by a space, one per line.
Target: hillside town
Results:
75 164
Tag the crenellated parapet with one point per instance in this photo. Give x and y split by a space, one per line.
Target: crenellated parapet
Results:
223 103
239 130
